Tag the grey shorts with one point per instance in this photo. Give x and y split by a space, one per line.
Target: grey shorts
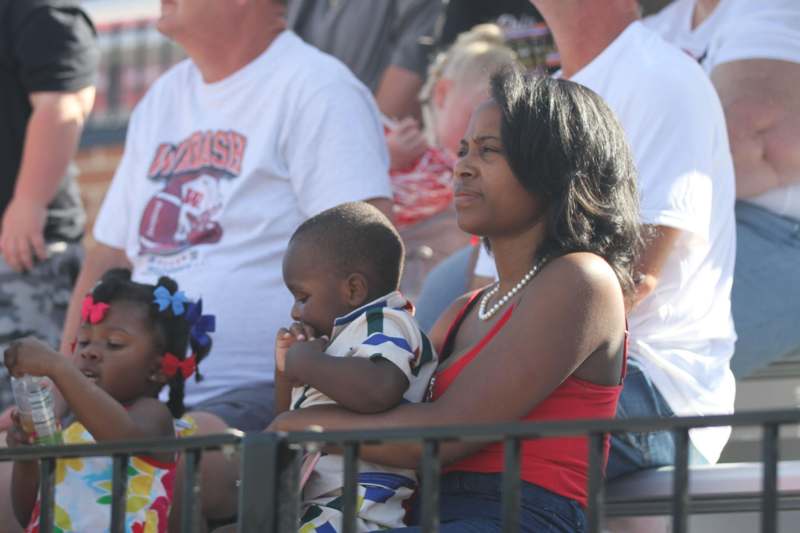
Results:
248 408
35 303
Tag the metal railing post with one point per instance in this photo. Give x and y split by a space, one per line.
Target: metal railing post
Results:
431 477
47 477
190 497
268 489
119 491
595 515
769 494
511 485
350 490
680 491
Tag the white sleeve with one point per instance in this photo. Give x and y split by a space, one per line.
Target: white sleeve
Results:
336 150
769 29
398 340
676 140
112 225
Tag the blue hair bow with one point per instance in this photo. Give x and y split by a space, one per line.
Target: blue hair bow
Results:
200 324
164 299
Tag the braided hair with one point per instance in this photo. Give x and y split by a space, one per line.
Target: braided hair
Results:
172 331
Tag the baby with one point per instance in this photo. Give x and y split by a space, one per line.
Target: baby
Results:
354 342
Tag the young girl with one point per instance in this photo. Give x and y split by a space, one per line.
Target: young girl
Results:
133 341
422 161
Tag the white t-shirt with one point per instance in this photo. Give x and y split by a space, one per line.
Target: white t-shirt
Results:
738 30
216 177
682 334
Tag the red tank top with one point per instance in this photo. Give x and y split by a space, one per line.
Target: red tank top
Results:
558 464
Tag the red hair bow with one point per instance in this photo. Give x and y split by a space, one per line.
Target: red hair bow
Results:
171 364
93 312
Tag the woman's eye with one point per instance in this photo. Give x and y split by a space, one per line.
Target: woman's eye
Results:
82 343
115 345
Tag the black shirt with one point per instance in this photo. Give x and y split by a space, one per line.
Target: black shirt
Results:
461 15
45 45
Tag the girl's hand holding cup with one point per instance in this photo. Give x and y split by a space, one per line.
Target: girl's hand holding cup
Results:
30 356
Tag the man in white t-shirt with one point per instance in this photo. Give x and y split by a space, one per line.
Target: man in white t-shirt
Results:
225 156
681 332
751 52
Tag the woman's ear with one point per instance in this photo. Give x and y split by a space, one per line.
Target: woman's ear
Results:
356 289
440 91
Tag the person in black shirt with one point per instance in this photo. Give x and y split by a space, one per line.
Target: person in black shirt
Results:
48 60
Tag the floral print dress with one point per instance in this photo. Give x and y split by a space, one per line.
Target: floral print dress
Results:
83 489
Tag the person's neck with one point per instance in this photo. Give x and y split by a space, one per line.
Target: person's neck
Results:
514 255
703 10
581 33
217 62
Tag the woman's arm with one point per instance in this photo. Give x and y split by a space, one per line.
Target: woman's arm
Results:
574 307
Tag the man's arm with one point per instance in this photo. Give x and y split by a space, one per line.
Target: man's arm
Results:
656 250
398 89
99 259
397 93
762 110
51 140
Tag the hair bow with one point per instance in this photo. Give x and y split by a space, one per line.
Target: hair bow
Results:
171 364
92 312
200 324
164 299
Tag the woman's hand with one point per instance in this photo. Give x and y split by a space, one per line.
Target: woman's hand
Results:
31 356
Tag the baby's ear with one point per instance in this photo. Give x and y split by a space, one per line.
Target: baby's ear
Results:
356 289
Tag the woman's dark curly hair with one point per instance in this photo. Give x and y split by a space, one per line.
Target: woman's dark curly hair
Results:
172 331
565 146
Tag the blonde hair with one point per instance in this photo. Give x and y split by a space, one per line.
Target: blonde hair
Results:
473 57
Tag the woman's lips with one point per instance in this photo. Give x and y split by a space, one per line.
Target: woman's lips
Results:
463 198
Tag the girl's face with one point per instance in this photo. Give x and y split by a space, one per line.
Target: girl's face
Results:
320 296
120 353
489 198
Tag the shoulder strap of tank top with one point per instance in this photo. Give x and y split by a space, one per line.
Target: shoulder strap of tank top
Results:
447 347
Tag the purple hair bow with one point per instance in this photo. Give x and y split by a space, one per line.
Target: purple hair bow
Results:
200 324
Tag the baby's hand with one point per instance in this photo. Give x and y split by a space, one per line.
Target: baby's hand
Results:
286 338
16 435
30 356
283 341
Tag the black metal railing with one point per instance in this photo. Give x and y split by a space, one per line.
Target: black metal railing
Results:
191 447
270 465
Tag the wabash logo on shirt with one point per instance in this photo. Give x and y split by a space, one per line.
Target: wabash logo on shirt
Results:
185 212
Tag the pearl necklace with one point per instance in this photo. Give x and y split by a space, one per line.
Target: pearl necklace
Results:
483 314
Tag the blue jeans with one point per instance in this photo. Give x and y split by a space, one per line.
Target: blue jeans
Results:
472 503
634 451
766 288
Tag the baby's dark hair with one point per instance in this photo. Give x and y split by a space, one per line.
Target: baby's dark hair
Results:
173 332
357 237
